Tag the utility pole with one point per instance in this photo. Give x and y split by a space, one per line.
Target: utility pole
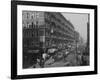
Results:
75 34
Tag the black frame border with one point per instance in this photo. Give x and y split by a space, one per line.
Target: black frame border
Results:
14 39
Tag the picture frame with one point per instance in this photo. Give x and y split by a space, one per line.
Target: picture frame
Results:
18 9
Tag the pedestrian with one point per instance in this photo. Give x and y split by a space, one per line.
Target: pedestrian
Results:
40 57
65 55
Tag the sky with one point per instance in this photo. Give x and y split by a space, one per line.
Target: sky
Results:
79 22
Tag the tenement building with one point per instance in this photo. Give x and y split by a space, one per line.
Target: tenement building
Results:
48 28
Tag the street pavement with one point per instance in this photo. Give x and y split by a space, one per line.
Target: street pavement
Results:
70 60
